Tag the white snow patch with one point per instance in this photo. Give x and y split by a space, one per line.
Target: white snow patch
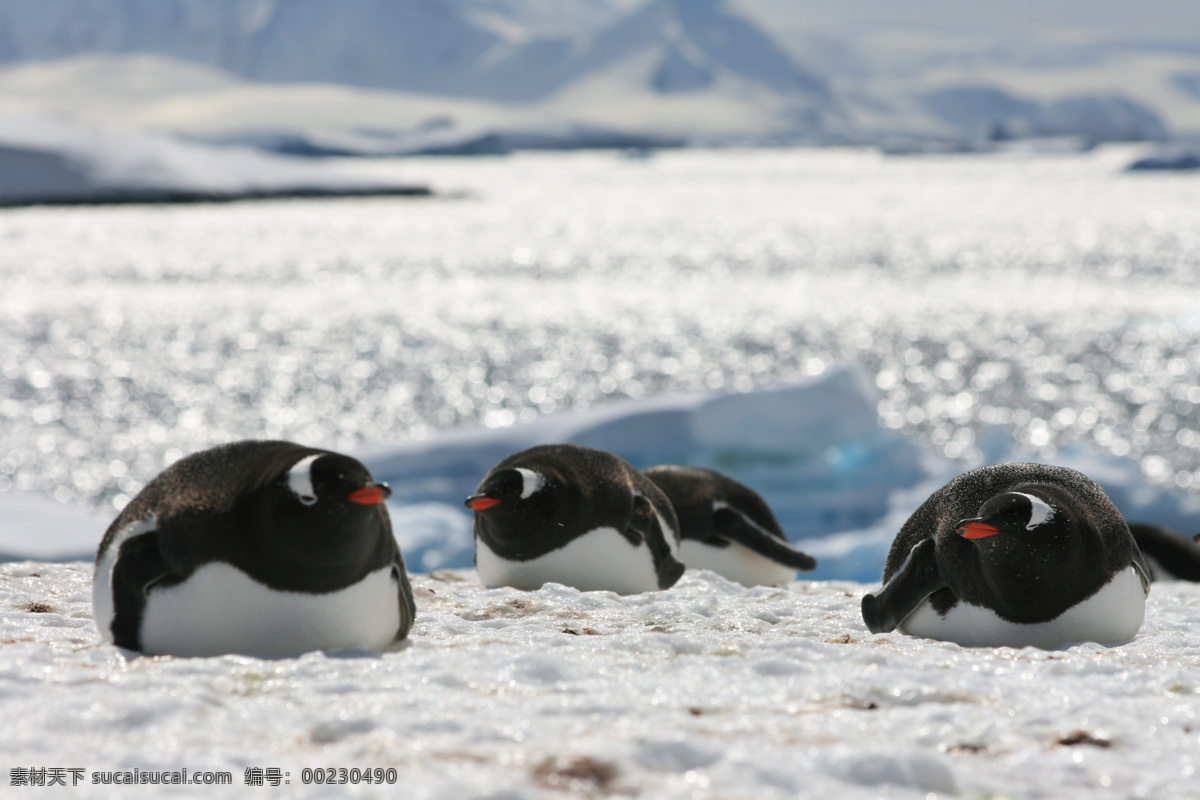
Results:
35 526
922 771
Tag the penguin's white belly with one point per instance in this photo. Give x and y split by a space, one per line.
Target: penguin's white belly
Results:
599 560
220 609
735 562
1110 616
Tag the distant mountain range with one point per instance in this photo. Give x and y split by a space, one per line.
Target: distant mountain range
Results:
385 75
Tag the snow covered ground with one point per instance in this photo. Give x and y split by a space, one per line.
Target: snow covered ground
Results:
705 690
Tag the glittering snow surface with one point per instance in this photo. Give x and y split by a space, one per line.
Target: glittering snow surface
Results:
1053 297
705 690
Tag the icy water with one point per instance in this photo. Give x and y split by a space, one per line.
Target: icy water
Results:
1053 296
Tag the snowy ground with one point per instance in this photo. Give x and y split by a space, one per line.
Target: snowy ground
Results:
705 690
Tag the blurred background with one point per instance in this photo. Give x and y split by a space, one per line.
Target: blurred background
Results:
905 239
376 77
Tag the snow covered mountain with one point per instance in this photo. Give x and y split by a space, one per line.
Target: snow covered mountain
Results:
693 42
425 46
994 114
417 45
575 71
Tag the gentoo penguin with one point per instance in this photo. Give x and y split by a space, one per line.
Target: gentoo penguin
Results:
574 515
1171 556
728 528
262 548
1013 555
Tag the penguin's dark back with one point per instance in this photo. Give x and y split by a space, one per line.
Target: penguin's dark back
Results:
211 481
1174 556
962 497
693 490
658 498
690 492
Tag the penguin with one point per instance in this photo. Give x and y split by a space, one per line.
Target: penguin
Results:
1013 555
727 528
573 515
262 548
1171 556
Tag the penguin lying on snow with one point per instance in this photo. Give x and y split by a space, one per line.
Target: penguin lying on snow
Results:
1170 555
728 528
262 548
1013 555
574 515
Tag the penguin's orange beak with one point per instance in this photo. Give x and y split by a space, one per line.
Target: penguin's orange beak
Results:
480 502
370 495
974 529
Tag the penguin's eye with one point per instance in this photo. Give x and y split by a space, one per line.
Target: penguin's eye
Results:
307 499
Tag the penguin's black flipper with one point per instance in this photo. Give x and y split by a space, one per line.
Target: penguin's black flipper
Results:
916 579
732 525
408 606
140 566
1168 551
645 525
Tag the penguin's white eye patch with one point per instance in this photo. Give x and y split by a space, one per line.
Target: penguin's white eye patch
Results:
300 480
533 482
1039 511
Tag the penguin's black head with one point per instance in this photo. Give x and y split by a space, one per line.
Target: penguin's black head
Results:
324 500
512 505
1026 548
333 483
513 491
1021 514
